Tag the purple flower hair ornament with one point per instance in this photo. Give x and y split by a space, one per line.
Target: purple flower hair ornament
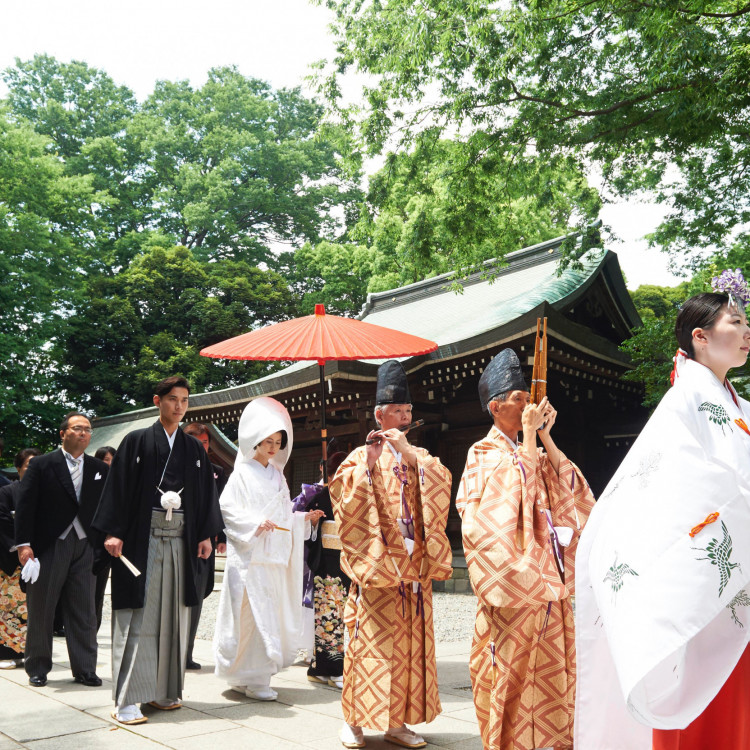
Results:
733 284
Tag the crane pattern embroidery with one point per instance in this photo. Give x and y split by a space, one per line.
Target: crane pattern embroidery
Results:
616 576
740 600
716 414
719 552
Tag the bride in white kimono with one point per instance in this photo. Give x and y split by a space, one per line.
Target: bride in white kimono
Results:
259 623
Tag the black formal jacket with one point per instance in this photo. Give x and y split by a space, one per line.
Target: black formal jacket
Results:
8 497
46 501
127 502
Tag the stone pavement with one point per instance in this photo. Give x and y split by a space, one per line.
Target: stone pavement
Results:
64 715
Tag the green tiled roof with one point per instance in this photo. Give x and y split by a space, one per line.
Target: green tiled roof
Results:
431 309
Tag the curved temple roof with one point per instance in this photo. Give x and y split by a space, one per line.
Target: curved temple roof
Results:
491 300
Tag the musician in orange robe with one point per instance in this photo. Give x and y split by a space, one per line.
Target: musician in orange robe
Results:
522 510
391 503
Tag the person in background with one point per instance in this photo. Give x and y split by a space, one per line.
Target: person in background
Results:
328 590
56 501
303 502
206 567
13 610
105 453
3 479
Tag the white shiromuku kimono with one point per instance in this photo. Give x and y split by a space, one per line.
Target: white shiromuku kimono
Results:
663 570
259 623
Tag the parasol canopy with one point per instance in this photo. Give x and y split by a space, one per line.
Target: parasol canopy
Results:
321 338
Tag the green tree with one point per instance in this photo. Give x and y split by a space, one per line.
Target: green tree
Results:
335 274
152 319
43 224
421 217
85 117
637 87
228 170
70 103
235 167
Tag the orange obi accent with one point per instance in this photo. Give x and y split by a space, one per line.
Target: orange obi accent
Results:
710 518
741 424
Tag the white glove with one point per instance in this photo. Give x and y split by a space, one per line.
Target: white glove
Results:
30 571
169 501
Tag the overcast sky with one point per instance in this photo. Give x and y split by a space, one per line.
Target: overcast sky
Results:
139 42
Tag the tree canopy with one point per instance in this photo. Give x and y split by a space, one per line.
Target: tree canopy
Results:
656 93
423 215
152 319
229 170
44 221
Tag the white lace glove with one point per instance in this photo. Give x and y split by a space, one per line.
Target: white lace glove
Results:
170 501
30 571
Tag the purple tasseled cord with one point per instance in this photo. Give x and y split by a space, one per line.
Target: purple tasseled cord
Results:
546 622
406 516
553 540
301 503
420 600
523 471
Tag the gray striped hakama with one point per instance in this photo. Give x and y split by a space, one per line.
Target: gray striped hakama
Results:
149 645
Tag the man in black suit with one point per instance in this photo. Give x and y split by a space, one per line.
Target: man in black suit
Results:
56 502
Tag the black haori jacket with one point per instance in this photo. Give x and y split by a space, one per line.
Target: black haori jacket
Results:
127 502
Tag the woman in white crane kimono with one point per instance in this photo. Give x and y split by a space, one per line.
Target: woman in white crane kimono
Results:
259 623
663 566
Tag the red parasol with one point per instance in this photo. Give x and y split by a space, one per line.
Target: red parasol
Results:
321 337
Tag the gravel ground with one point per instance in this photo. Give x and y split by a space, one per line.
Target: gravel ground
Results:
453 616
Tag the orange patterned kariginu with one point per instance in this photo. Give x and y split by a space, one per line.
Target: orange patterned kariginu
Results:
390 674
523 653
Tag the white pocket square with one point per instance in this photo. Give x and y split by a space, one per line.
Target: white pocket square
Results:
98 476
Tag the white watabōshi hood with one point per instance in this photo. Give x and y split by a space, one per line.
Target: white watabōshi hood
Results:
261 418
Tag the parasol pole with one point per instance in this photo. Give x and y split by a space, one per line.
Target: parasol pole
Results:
323 430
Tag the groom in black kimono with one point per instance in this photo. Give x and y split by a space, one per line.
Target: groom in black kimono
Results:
159 509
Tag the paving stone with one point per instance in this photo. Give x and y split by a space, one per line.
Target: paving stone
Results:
28 714
105 738
6 743
461 586
240 738
288 722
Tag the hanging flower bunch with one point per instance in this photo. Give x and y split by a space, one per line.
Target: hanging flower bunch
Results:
732 283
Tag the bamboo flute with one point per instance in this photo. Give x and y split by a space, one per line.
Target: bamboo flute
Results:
539 372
